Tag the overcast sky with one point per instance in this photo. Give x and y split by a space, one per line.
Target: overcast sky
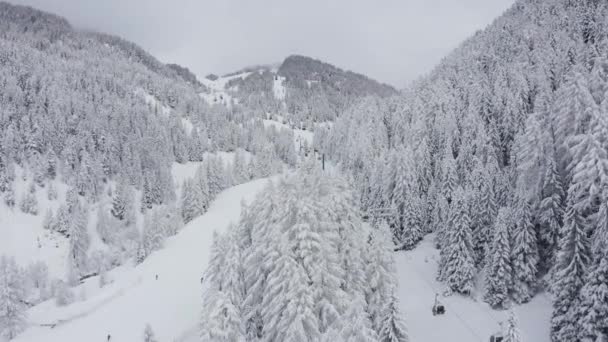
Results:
394 41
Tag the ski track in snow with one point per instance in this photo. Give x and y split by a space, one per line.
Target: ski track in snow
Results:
171 304
466 319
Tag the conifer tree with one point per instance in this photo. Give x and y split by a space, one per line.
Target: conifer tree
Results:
569 272
498 266
12 299
524 252
29 202
149 334
356 325
593 304
550 213
512 333
457 266
392 328
191 201
449 176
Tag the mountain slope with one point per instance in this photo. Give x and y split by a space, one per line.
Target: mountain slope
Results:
302 90
501 151
171 304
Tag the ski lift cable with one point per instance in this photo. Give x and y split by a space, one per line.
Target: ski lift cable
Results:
464 323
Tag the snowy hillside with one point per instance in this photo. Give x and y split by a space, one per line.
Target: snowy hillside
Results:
124 307
301 202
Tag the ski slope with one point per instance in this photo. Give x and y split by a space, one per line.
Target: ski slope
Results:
466 319
171 304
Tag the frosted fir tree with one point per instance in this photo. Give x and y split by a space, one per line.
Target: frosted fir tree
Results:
379 274
551 212
79 240
201 180
568 276
512 333
12 299
498 277
149 334
191 201
62 221
224 322
9 196
51 192
196 148
441 220
121 199
593 304
457 265
140 253
449 176
524 252
48 221
216 177
239 167
392 327
29 202
486 209
356 325
600 234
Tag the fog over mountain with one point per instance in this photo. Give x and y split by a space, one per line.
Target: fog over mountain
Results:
393 41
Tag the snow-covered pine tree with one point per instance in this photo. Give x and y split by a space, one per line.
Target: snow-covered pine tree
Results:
457 265
441 220
406 199
512 333
79 239
29 202
239 167
592 324
392 326
486 210
12 299
216 177
191 200
62 221
356 325
223 323
550 213
379 274
120 202
498 277
600 234
9 196
201 180
149 334
524 251
449 177
568 275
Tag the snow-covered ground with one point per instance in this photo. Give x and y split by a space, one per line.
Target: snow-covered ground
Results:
171 304
218 94
22 234
465 320
301 137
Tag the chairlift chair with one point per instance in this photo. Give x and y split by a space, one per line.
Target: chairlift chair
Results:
438 307
498 336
